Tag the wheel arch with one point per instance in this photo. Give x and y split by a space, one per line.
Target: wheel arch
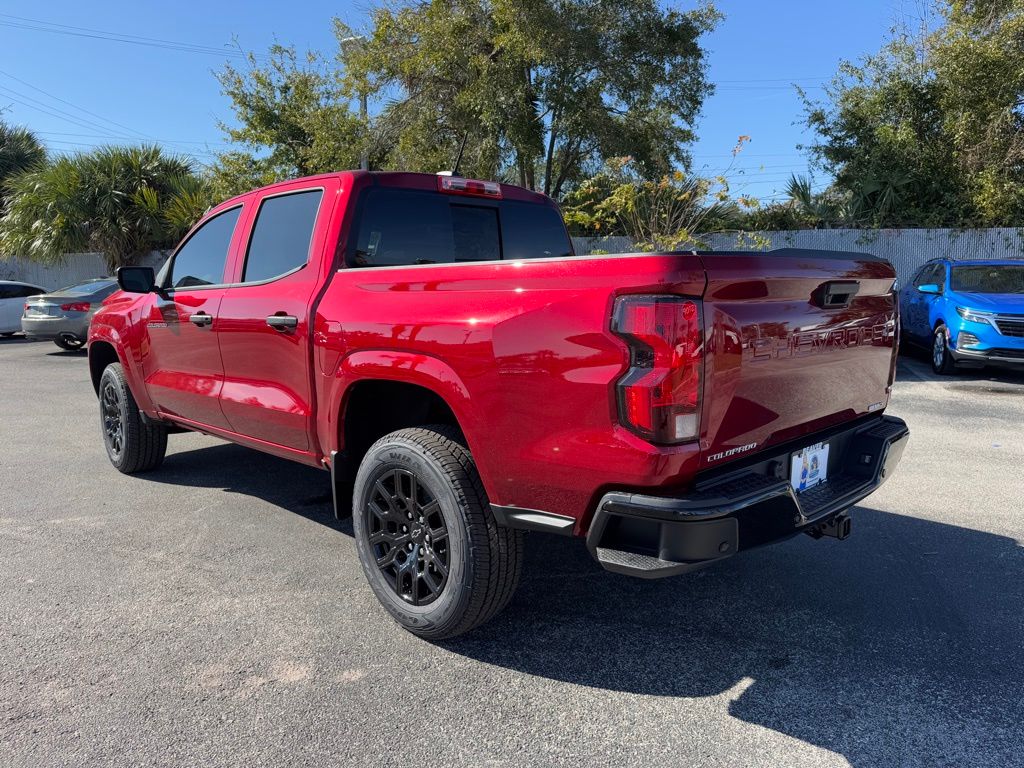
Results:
101 354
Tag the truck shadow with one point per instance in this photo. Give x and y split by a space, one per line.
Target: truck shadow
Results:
900 646
294 487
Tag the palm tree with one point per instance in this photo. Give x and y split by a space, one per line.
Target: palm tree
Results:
20 151
121 201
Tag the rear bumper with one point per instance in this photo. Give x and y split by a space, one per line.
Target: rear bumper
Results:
654 536
55 327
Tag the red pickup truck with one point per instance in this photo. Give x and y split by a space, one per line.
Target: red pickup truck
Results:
434 343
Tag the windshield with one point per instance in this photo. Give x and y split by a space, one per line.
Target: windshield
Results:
1004 278
84 289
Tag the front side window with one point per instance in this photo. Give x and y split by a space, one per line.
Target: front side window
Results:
200 261
931 275
282 235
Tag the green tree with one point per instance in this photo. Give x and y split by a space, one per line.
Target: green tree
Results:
541 90
930 131
121 201
292 119
20 151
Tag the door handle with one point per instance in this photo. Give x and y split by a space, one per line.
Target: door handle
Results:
200 319
283 323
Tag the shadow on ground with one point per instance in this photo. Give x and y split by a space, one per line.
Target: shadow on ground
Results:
902 645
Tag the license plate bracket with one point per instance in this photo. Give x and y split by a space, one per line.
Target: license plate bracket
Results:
809 467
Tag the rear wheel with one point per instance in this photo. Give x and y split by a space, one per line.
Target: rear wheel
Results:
70 343
428 542
133 444
942 361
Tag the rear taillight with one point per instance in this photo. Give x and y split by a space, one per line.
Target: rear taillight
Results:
659 396
456 185
78 306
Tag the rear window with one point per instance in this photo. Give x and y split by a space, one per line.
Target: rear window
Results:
86 288
994 278
404 227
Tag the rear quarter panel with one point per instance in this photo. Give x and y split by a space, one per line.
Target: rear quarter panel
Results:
521 352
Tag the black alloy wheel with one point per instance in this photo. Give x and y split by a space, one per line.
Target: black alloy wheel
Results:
113 420
408 536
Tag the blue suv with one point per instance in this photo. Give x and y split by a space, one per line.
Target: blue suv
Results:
968 313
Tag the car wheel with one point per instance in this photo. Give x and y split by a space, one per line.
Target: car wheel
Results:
70 343
8 334
428 542
942 361
133 443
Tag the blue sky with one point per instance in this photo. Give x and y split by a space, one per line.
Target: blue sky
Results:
77 92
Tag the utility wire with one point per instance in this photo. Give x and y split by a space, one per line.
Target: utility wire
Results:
37 25
73 106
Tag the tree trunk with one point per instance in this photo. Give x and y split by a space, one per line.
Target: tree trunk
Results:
549 162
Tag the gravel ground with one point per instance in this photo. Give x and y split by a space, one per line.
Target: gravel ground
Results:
213 613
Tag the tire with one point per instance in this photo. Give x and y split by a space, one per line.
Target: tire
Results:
942 361
7 334
463 567
70 343
133 444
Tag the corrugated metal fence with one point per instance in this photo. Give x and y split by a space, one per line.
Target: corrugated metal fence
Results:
906 249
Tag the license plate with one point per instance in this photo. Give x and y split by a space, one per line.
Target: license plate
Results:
42 310
809 467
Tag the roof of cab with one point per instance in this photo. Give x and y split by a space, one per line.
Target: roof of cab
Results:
425 181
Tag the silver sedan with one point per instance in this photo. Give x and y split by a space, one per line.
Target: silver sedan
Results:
63 316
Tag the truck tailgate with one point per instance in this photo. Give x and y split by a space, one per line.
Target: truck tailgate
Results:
797 341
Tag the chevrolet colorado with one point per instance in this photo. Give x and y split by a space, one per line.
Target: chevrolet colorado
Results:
434 343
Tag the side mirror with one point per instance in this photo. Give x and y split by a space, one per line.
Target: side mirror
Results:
929 288
136 279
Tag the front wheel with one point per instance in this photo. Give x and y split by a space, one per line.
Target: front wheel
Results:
429 545
133 444
942 361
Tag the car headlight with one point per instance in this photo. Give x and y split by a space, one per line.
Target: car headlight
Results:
973 316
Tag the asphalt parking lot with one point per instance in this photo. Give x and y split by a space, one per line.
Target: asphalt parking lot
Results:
213 613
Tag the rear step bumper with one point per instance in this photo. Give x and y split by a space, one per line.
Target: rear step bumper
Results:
653 536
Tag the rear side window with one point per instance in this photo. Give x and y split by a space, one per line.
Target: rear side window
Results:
405 227
19 291
282 235
200 261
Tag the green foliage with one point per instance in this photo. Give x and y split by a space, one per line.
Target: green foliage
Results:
292 120
663 213
20 151
541 89
929 131
121 201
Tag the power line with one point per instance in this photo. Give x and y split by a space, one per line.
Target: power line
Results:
88 145
37 25
111 136
52 111
74 106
